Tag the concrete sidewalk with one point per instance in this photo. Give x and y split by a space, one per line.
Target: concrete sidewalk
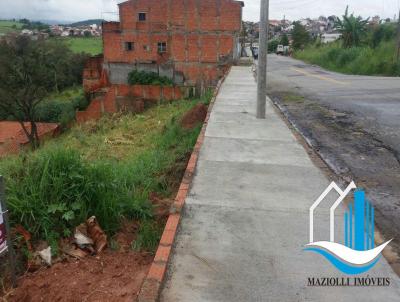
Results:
246 217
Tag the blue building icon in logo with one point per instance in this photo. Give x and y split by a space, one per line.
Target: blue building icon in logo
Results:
359 234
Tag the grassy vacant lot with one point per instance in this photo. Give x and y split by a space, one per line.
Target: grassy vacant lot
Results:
9 26
106 168
91 45
357 60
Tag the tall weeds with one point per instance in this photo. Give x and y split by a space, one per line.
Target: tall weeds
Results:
363 60
54 189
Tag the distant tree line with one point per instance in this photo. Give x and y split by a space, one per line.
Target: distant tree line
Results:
34 25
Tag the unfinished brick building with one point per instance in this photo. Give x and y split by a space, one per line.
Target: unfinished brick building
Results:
190 41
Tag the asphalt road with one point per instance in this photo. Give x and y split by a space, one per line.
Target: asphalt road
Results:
376 100
353 122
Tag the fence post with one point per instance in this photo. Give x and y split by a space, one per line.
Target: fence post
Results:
8 233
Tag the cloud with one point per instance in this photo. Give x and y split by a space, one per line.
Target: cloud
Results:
297 9
70 10
73 10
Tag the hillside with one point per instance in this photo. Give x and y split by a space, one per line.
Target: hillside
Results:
87 22
9 26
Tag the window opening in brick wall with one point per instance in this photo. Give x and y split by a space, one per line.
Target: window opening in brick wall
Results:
129 46
162 47
142 16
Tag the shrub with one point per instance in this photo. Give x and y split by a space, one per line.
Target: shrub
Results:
61 108
273 45
362 60
148 78
382 32
346 56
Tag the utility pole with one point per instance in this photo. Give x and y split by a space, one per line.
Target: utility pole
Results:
262 60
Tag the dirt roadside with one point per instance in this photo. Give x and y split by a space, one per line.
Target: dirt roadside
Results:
352 153
101 278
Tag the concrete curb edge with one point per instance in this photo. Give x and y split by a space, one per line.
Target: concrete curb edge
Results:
152 284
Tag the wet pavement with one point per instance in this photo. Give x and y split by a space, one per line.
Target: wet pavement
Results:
353 122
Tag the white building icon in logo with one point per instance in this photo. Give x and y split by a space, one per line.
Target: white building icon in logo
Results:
342 195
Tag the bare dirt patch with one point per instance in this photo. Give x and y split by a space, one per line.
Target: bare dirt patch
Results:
115 275
194 116
110 276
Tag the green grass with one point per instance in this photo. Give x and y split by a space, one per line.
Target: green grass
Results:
90 45
148 237
118 137
66 94
357 60
8 26
106 168
293 98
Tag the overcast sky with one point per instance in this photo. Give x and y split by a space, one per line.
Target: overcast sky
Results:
75 10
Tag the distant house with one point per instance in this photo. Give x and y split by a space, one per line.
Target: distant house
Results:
328 38
305 22
375 20
27 32
331 23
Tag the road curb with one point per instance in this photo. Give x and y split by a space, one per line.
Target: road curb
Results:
152 284
331 172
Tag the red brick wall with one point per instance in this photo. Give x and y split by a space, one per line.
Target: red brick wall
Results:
149 92
94 76
84 116
94 111
108 102
198 32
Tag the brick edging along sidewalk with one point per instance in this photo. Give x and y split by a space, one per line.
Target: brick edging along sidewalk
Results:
151 286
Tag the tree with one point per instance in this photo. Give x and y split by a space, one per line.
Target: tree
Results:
284 40
273 45
352 29
243 37
29 71
382 32
251 33
24 21
300 36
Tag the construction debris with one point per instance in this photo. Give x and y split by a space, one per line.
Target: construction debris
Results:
46 255
96 234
